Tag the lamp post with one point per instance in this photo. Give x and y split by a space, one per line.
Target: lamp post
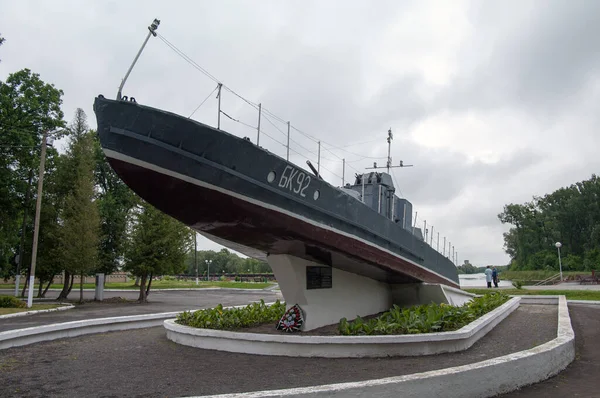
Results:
208 269
38 207
558 245
196 256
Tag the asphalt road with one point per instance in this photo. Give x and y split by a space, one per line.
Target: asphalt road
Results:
158 301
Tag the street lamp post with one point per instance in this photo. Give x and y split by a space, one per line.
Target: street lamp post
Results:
208 269
36 224
196 257
558 245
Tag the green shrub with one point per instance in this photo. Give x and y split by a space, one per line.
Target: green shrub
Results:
168 278
233 318
424 318
517 284
11 302
237 278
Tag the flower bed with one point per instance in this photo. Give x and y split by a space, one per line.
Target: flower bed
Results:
428 318
420 319
233 318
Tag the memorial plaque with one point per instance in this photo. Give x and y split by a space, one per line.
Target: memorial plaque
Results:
318 278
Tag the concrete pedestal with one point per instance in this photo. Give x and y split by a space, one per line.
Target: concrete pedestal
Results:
99 293
350 295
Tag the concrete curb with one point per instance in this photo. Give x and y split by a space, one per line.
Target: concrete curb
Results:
171 289
583 302
517 370
36 334
340 346
65 306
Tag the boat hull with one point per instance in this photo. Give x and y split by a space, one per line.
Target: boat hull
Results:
254 202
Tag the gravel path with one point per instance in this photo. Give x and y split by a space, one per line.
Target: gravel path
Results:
144 363
580 378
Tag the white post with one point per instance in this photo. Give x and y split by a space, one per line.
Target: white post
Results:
36 225
196 256
288 143
444 252
425 230
431 240
438 242
319 160
415 223
219 114
558 245
258 128
363 187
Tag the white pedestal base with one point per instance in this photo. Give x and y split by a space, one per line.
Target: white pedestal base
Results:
410 294
350 296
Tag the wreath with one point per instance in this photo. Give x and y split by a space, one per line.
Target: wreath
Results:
292 320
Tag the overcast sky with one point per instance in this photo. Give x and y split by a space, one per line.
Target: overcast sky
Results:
493 102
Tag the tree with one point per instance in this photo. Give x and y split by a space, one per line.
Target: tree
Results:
28 107
570 215
1 41
115 201
79 234
157 245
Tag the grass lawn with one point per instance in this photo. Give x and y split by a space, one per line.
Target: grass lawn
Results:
569 294
35 307
164 285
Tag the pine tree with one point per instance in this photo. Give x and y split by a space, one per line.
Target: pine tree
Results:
158 245
79 234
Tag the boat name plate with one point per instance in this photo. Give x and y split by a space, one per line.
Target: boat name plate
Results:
295 180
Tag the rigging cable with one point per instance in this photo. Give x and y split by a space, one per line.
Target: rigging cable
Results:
205 99
254 105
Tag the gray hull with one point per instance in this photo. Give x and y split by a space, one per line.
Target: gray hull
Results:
255 202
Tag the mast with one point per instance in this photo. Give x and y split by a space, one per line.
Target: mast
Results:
388 165
389 159
152 31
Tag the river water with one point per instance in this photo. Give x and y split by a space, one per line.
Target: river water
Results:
478 280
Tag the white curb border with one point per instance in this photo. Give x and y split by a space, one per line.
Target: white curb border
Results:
501 375
340 346
36 334
65 306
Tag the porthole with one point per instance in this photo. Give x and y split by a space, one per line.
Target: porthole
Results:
271 176
316 194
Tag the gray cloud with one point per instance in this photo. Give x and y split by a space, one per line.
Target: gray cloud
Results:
514 118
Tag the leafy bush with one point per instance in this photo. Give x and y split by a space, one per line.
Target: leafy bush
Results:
232 318
517 284
168 278
11 302
424 318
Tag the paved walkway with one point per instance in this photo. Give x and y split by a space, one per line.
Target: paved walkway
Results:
133 347
580 378
564 286
160 301
145 363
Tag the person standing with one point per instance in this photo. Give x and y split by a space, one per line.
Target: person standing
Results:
495 276
488 276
